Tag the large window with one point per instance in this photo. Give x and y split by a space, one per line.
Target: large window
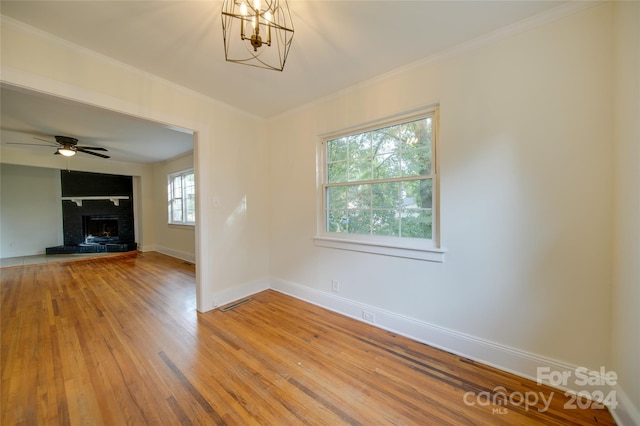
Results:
379 187
181 189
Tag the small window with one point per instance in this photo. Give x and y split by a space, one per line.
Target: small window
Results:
379 188
181 189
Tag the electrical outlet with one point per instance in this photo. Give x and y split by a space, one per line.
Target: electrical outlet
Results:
335 286
369 317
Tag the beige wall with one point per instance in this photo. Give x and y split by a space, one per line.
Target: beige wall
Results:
30 210
526 175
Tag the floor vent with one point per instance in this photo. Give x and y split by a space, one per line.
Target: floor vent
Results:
234 305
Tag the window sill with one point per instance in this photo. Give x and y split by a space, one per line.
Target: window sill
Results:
182 225
387 249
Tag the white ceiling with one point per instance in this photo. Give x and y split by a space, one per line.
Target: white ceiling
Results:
336 44
27 115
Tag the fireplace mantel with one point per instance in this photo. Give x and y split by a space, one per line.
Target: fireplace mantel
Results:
115 199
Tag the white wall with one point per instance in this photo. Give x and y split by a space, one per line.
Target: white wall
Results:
30 210
526 175
229 151
626 252
175 240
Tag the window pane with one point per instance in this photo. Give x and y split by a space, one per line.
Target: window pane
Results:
191 208
417 135
386 166
337 172
189 179
360 169
416 224
417 194
337 150
416 162
385 195
386 140
359 221
177 210
177 187
337 221
190 184
386 222
359 146
359 196
337 197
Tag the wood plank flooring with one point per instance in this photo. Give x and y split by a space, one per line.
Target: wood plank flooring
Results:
118 341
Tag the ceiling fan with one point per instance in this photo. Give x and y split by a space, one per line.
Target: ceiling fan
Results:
67 146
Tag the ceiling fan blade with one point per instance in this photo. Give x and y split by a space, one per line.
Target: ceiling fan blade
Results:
93 148
30 144
53 143
92 153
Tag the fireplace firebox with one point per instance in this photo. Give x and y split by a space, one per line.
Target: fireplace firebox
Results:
100 229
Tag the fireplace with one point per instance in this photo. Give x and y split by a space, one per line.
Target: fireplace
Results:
97 213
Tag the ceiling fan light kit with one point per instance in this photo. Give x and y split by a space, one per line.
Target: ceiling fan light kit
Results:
257 32
67 146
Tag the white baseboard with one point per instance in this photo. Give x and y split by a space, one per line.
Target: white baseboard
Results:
189 257
518 362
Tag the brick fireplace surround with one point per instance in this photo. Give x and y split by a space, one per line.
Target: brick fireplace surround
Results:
97 213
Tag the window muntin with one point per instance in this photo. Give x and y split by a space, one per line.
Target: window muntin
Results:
380 182
181 191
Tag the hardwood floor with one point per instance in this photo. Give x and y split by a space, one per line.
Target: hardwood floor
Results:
118 341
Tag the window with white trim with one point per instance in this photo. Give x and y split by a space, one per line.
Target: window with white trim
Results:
181 189
378 190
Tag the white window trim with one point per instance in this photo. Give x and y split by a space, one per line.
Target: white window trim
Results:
170 177
179 225
411 248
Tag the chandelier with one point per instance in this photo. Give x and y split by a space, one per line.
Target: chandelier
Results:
257 32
